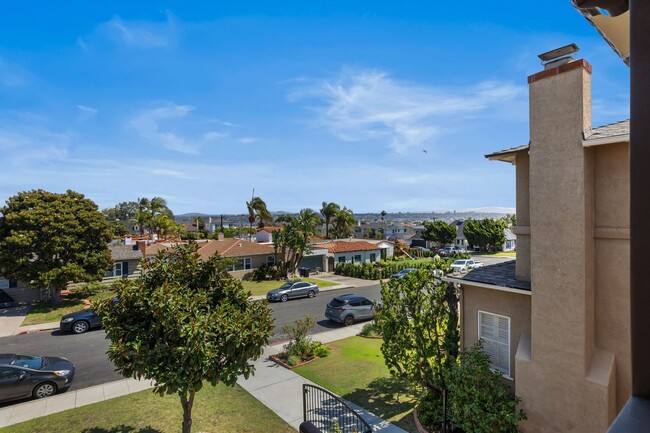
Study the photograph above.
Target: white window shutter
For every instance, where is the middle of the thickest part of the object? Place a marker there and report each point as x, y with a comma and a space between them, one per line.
494, 331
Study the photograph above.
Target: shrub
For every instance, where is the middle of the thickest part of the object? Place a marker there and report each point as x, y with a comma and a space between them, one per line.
478, 400
370, 329
430, 411
266, 272
88, 289
301, 348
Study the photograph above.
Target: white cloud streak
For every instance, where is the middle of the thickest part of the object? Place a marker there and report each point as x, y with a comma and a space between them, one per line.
370, 105
150, 124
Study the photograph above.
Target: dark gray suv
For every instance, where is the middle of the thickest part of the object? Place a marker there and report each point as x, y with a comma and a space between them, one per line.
350, 308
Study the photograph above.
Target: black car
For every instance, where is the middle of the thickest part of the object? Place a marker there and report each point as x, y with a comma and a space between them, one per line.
23, 376
80, 321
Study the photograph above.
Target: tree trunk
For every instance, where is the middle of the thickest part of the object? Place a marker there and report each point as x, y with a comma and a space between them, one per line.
187, 411
55, 294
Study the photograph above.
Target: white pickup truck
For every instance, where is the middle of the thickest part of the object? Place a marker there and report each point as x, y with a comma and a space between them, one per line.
465, 265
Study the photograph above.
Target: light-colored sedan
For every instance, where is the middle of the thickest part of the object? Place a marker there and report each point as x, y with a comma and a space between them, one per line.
292, 289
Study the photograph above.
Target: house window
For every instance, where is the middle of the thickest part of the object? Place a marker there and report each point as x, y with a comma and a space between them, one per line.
270, 260
342, 259
357, 259
494, 330
242, 264
373, 257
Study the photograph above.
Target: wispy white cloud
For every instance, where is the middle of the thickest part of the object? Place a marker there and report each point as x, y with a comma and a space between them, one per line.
152, 124
134, 34
247, 140
85, 112
359, 105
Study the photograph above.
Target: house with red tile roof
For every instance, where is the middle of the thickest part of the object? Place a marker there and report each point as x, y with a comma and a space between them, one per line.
265, 234
349, 251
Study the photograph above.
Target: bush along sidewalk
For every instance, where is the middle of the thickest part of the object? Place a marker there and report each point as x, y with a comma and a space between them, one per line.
384, 269
301, 349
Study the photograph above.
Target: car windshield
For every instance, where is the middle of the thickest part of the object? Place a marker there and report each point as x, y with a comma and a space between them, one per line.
337, 303
28, 361
286, 286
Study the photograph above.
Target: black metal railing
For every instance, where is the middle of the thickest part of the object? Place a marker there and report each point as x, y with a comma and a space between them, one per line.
325, 411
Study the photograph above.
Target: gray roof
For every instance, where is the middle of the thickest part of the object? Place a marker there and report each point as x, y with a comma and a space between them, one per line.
501, 274
500, 153
621, 128
607, 131
125, 252
510, 236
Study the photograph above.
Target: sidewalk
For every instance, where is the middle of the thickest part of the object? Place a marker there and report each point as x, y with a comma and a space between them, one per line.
274, 386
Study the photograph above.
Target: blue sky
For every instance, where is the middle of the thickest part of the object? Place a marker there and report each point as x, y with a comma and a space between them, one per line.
200, 102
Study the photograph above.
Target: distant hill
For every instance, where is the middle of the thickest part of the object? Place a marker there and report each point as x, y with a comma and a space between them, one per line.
191, 215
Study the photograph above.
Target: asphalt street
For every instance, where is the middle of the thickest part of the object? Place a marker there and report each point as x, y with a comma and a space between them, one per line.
88, 351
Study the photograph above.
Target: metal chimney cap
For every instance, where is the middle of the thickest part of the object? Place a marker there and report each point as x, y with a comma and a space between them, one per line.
559, 52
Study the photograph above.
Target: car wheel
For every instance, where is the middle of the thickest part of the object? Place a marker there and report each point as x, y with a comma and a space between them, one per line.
80, 327
284, 298
349, 320
311, 294
43, 390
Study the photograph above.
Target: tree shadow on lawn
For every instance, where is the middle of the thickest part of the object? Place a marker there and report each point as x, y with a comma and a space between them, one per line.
122, 429
387, 397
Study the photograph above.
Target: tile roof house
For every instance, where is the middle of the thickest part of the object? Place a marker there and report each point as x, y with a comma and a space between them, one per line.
556, 321
350, 251
265, 234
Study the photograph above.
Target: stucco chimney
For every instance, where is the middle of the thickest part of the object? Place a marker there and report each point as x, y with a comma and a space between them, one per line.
220, 236
552, 377
142, 246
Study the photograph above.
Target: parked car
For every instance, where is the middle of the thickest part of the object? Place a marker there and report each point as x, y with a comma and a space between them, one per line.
292, 289
465, 265
403, 273
23, 376
448, 251
80, 321
350, 308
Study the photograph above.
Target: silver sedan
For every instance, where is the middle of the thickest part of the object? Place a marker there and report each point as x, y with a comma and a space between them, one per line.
292, 289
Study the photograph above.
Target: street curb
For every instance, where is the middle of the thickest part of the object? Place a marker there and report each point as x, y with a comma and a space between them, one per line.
31, 331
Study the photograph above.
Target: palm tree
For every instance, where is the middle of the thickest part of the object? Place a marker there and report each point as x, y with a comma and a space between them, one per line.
329, 210
257, 211
383, 214
307, 221
343, 223
142, 214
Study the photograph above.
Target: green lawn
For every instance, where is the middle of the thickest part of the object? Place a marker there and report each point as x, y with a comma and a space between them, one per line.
355, 370
216, 409
505, 254
45, 312
261, 287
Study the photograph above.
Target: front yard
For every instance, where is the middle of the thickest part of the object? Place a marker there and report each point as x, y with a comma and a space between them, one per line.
355, 370
216, 409
261, 287
45, 312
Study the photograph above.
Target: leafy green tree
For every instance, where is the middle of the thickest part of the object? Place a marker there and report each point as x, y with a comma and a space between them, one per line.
118, 228
478, 400
419, 322
487, 233
343, 223
329, 211
49, 240
383, 214
439, 231
185, 322
231, 232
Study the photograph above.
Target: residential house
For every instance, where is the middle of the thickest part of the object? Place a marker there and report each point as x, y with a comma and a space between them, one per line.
265, 234
511, 240
349, 251
126, 261
246, 256
556, 321
21, 292
386, 230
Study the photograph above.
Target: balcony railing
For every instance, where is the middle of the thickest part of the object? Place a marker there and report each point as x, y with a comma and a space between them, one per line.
323, 411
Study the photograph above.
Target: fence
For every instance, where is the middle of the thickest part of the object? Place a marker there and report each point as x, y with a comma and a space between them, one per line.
325, 410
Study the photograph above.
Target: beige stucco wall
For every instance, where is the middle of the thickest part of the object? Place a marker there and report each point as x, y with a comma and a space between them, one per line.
256, 262
513, 305
567, 378
612, 263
